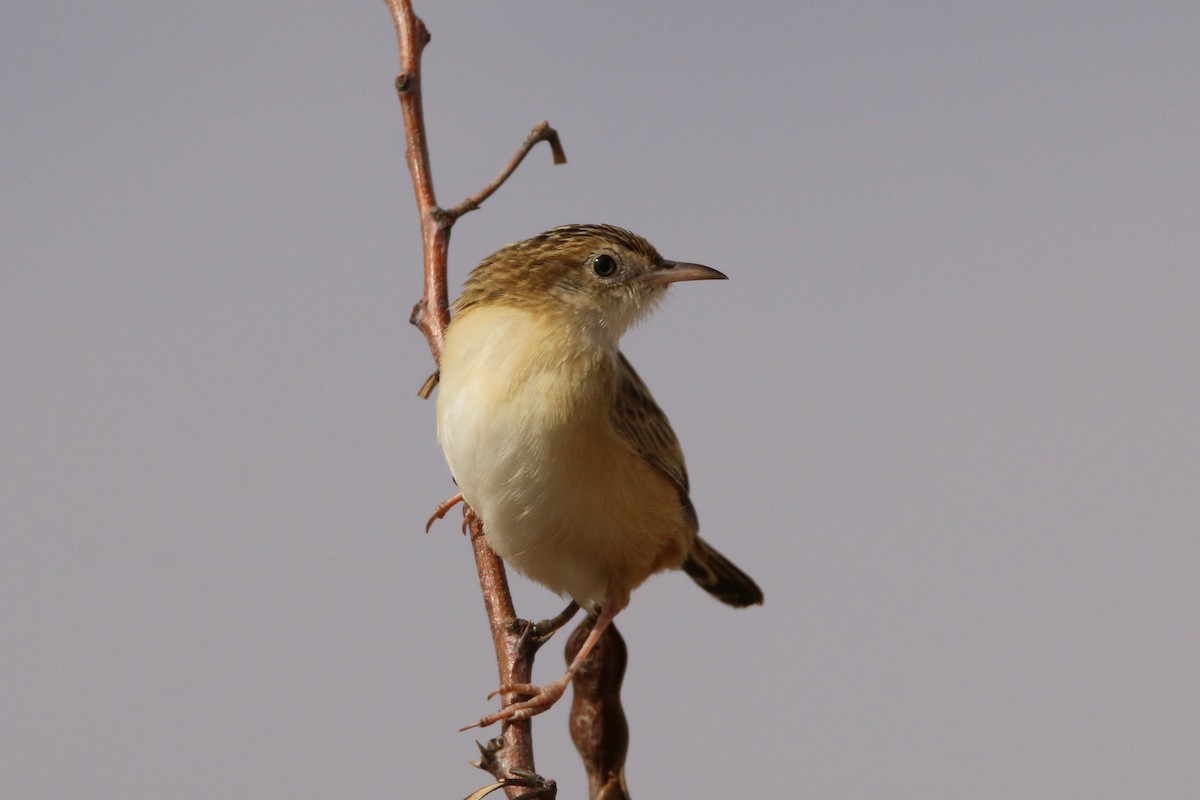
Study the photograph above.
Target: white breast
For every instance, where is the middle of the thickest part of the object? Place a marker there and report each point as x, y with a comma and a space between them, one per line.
563, 497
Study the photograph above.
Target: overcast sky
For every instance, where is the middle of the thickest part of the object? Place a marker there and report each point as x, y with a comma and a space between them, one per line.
945, 410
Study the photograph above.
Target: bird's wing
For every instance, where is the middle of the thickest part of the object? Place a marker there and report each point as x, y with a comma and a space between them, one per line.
644, 425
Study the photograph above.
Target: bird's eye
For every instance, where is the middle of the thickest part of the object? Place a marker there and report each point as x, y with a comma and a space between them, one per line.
604, 265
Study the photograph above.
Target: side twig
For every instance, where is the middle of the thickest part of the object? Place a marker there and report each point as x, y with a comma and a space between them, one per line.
542, 132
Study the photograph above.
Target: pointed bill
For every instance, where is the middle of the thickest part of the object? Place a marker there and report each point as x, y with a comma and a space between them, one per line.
675, 271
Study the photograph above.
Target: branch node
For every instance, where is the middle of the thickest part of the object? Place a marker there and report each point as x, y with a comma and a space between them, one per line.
487, 755
442, 218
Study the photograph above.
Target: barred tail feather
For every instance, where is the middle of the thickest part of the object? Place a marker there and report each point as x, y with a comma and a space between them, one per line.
718, 576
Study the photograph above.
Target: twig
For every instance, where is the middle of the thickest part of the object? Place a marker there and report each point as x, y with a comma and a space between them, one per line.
542, 132
540, 788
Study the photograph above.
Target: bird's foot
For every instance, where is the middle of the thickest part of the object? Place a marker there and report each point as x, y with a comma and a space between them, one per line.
541, 698
443, 509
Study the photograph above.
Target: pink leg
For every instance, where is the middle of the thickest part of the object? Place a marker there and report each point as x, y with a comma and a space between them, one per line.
546, 696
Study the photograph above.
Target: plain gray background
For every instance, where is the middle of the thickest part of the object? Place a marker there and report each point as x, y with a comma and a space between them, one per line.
945, 410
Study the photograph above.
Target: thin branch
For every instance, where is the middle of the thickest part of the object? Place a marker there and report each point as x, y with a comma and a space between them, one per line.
510, 756
432, 314
512, 750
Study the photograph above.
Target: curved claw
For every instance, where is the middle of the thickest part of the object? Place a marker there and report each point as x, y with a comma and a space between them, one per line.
443, 509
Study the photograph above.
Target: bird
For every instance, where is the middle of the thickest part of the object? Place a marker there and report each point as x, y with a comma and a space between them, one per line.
556, 443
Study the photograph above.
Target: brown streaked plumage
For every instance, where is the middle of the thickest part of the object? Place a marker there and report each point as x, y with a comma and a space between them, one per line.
553, 438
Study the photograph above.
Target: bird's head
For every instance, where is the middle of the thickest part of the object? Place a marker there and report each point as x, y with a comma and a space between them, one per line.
598, 276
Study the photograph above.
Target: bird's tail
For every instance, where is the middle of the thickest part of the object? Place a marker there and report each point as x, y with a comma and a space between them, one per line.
718, 576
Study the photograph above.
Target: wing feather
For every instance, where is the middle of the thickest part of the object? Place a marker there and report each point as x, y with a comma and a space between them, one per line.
644, 425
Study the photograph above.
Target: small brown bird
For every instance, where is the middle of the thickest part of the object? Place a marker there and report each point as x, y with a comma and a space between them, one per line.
555, 441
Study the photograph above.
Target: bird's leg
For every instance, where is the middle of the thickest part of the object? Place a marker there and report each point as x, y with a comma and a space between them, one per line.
443, 509
545, 696
538, 633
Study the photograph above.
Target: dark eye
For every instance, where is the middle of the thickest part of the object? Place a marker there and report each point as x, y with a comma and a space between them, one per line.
604, 265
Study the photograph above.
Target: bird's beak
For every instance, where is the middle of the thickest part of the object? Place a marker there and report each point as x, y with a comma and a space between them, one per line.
674, 271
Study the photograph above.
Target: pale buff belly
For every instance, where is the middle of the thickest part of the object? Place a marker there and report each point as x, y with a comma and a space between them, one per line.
564, 499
